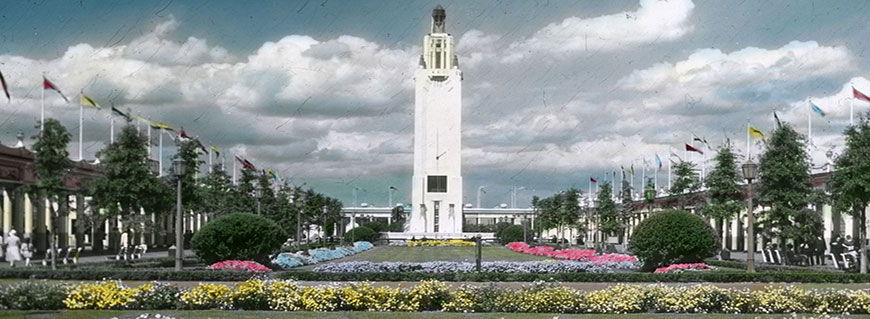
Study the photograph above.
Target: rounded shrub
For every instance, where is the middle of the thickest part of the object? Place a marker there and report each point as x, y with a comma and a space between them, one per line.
361, 233
511, 234
672, 237
238, 236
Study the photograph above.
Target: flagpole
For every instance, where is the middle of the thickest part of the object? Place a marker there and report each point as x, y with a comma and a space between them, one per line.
81, 129
160, 153
851, 108
42, 109
810, 128
149, 140
234, 168
112, 129
656, 180
209, 161
669, 174
748, 150
590, 192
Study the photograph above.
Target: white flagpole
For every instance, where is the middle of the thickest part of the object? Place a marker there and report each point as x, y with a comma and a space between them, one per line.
42, 110
748, 149
669, 175
111, 128
234, 169
209, 161
160, 153
851, 108
224, 163
149, 140
810, 127
643, 179
590, 192
81, 129
656, 179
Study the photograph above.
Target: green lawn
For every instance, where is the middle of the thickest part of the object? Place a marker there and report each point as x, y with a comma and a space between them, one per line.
82, 314
423, 254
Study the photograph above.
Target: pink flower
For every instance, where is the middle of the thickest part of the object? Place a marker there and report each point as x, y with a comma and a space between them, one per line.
240, 265
682, 267
570, 253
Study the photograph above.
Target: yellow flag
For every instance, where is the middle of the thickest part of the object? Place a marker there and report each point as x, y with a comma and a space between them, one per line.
89, 101
756, 132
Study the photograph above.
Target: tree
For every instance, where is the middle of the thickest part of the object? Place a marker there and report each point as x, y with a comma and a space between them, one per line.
849, 183
725, 195
649, 194
188, 151
127, 184
398, 219
685, 188
784, 176
626, 210
242, 199
570, 210
608, 216
51, 164
215, 192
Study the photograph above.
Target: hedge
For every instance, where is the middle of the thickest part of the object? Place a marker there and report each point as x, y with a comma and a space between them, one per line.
212, 275
539, 297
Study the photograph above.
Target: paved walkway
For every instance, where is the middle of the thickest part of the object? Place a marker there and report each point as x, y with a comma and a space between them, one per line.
103, 258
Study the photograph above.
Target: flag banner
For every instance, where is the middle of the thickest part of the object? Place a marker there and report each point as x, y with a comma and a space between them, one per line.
217, 153
118, 112
593, 180
246, 164
756, 132
89, 101
658, 160
675, 155
183, 134
817, 109
631, 169
691, 148
5, 87
47, 85
778, 122
858, 95
201, 147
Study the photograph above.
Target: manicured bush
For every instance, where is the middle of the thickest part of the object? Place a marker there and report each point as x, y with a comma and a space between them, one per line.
32, 295
314, 256
672, 237
511, 234
361, 233
238, 236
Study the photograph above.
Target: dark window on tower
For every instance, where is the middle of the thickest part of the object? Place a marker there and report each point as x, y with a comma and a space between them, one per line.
437, 184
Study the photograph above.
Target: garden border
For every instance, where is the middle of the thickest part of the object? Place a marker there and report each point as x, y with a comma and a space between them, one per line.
626, 277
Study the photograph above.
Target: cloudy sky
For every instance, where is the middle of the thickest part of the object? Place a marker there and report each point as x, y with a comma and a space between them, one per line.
554, 91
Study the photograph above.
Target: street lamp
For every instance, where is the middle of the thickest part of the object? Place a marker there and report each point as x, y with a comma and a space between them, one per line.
480, 189
178, 170
323, 224
750, 171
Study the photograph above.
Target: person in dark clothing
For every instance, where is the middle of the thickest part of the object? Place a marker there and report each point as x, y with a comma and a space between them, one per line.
820, 247
792, 257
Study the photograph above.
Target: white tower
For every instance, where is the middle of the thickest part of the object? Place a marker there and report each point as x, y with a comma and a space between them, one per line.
437, 181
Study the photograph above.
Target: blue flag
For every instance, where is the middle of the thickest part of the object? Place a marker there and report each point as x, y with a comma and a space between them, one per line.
817, 109
658, 160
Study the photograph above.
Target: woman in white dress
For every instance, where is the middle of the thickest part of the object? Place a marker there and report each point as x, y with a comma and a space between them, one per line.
13, 251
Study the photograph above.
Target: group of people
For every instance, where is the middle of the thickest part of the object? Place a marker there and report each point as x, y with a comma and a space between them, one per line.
844, 250
15, 250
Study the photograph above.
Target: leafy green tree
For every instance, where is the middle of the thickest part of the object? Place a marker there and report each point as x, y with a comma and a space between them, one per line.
215, 192
626, 210
190, 193
784, 176
850, 183
398, 219
649, 194
605, 209
51, 164
686, 185
127, 184
570, 211
243, 198
725, 195
265, 194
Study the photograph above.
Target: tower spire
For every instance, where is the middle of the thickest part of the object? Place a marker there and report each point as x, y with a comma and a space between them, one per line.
438, 16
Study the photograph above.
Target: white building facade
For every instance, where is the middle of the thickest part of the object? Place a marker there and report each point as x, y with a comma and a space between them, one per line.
437, 181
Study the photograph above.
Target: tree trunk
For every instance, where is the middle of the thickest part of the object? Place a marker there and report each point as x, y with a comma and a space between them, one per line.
862, 234
53, 236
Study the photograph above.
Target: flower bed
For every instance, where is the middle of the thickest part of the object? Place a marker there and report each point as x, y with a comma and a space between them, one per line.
279, 295
440, 243
486, 266
569, 253
682, 267
240, 265
314, 256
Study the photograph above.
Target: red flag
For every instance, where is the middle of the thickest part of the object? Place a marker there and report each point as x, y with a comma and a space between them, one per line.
183, 134
859, 95
250, 166
5, 88
593, 180
691, 148
47, 85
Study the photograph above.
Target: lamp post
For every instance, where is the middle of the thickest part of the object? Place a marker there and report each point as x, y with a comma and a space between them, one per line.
480, 189
750, 171
324, 209
178, 169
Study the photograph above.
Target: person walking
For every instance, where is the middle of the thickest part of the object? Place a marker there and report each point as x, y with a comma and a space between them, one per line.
26, 250
13, 249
